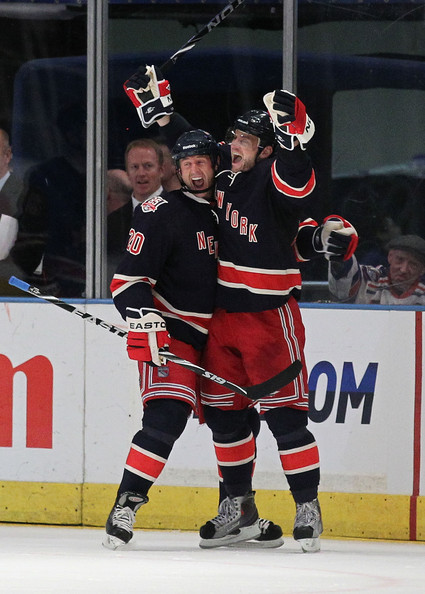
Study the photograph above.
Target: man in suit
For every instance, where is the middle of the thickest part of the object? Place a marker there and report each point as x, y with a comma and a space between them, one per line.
11, 189
118, 189
144, 163
51, 245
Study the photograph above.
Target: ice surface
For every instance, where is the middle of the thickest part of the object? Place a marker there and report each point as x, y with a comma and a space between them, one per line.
46, 559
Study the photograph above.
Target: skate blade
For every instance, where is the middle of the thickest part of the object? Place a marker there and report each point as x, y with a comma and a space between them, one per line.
246, 533
259, 544
113, 543
310, 545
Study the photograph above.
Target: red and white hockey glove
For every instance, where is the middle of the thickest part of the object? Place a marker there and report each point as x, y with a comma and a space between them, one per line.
147, 333
150, 94
289, 117
336, 238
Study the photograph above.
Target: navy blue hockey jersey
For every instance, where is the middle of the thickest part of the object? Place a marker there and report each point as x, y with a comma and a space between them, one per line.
170, 264
259, 216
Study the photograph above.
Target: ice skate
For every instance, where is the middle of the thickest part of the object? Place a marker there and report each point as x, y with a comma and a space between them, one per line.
271, 534
308, 526
119, 525
237, 521
270, 537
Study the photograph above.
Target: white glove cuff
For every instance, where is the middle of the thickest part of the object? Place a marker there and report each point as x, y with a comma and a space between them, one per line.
308, 133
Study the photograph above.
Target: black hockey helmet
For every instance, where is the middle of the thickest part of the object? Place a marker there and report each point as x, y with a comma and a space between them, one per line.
195, 142
256, 122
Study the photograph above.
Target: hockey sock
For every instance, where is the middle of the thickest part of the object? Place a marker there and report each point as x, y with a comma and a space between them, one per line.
234, 445
163, 423
299, 457
235, 459
253, 419
298, 452
222, 493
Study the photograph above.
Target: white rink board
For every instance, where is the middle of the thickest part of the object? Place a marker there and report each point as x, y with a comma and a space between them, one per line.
113, 406
96, 406
27, 331
375, 457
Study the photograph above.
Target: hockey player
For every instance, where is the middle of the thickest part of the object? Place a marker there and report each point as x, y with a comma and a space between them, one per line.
264, 181
164, 288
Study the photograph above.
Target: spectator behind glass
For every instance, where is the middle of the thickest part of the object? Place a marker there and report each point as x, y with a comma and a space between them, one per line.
170, 181
11, 190
51, 246
402, 282
118, 189
144, 161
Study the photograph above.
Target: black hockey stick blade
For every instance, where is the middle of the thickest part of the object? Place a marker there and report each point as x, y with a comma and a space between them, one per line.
253, 392
214, 22
285, 377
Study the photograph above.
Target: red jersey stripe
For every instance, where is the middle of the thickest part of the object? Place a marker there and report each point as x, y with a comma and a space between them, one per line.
308, 223
288, 190
256, 280
120, 283
200, 321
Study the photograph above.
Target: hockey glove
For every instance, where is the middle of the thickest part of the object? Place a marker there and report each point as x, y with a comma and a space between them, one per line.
289, 117
336, 238
147, 333
150, 94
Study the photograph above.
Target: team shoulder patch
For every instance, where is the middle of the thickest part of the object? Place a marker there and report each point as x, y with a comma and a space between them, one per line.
152, 204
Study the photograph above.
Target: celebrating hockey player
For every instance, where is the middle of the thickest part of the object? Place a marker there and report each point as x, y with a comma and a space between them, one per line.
264, 181
165, 289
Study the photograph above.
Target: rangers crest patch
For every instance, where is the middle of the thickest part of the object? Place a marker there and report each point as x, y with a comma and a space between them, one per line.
163, 371
152, 204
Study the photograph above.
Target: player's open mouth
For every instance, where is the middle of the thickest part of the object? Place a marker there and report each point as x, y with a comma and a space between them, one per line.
197, 183
236, 158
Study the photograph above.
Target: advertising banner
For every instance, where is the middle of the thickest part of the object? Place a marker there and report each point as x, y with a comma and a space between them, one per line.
69, 402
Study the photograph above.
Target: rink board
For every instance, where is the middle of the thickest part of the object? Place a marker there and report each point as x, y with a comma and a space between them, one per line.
69, 406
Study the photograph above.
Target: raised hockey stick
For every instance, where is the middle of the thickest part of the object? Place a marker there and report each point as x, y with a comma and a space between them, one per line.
214, 22
253, 392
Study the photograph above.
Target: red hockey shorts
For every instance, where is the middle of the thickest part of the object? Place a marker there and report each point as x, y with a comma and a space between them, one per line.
171, 380
249, 348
